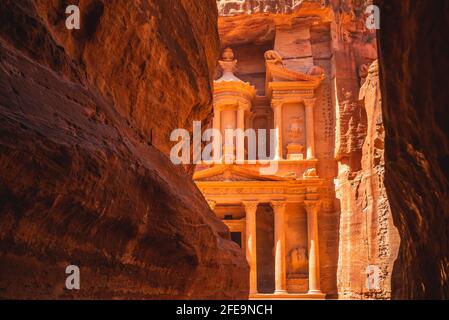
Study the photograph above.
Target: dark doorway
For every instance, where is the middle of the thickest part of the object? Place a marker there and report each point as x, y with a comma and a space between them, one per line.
237, 238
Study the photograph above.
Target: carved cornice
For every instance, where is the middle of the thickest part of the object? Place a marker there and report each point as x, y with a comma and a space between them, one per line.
237, 88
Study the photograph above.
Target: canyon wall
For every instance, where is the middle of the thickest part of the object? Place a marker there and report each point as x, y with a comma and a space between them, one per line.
368, 238
85, 117
356, 229
414, 72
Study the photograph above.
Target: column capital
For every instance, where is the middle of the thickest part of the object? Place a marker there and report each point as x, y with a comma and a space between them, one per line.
245, 106
212, 204
309, 102
278, 205
250, 205
277, 103
312, 205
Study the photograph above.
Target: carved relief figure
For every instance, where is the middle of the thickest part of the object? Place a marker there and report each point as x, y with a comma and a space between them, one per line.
295, 130
298, 260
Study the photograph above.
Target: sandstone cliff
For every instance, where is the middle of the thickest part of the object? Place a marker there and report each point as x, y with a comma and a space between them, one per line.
356, 227
414, 74
85, 118
368, 237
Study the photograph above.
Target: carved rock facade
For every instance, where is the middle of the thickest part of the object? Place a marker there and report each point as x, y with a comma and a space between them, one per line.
358, 240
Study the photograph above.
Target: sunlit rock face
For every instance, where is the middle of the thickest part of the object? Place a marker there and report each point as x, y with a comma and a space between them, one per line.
414, 87
357, 232
236, 7
82, 180
368, 239
367, 232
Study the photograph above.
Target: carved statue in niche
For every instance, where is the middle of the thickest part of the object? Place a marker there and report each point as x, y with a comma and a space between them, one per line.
295, 129
298, 261
295, 132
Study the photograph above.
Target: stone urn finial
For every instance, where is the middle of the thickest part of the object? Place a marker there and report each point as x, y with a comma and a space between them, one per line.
228, 64
228, 55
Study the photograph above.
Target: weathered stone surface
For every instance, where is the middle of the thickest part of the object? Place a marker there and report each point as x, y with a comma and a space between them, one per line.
79, 182
237, 7
367, 233
414, 74
367, 236
356, 229
131, 52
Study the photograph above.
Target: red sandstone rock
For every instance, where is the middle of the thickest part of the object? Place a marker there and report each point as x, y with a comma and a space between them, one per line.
414, 73
79, 182
356, 229
367, 233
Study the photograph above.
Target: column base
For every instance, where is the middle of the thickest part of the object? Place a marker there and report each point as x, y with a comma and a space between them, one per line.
288, 296
280, 292
253, 293
314, 292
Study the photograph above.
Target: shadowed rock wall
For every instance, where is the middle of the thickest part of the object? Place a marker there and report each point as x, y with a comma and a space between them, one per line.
82, 180
414, 73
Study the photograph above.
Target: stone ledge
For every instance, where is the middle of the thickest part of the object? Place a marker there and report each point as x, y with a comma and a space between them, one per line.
288, 296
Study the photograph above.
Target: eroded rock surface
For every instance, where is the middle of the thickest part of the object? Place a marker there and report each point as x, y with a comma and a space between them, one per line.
414, 74
368, 236
356, 229
80, 181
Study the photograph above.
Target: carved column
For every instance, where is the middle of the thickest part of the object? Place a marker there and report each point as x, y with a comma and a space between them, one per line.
240, 139
310, 134
312, 208
277, 117
251, 256
279, 247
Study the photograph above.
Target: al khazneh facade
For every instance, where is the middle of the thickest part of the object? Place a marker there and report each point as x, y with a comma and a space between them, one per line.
288, 199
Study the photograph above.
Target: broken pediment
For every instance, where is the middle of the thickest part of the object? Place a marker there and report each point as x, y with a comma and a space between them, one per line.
280, 78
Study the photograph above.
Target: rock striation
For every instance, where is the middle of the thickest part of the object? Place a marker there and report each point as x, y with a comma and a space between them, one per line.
414, 74
85, 117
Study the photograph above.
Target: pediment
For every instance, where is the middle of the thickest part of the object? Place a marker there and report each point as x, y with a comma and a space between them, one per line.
232, 173
280, 73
